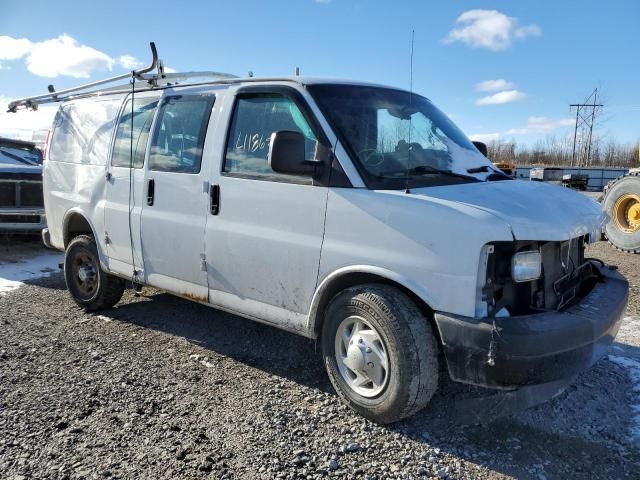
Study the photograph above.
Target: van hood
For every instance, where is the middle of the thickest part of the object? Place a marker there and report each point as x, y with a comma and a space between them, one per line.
533, 210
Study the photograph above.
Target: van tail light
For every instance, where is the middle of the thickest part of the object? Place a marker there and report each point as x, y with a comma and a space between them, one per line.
45, 153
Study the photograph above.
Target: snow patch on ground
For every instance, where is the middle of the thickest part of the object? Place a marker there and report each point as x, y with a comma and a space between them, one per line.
629, 332
633, 369
14, 274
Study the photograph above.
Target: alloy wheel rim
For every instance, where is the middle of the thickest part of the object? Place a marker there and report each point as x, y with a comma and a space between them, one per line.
361, 357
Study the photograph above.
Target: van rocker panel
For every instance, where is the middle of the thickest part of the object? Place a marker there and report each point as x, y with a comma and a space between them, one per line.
538, 348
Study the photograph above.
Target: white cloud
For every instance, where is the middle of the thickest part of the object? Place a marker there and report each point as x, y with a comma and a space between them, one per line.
129, 62
508, 96
528, 31
494, 85
169, 70
13, 48
4, 67
485, 137
489, 29
62, 55
65, 56
537, 125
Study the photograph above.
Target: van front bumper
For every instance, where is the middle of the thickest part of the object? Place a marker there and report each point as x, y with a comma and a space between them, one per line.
535, 349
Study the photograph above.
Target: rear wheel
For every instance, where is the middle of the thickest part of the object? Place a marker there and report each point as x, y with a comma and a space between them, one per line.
380, 352
622, 203
90, 286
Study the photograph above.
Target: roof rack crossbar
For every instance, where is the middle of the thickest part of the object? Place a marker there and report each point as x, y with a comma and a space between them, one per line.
53, 96
155, 78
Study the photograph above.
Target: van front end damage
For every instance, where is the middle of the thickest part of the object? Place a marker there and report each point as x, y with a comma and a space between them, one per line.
511, 352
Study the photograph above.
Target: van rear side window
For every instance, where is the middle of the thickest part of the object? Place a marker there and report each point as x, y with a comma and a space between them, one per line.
82, 131
179, 133
128, 142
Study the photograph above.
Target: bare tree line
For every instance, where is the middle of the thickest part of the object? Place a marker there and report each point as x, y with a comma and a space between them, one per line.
556, 151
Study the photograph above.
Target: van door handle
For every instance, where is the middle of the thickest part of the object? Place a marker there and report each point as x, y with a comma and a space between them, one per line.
151, 190
214, 199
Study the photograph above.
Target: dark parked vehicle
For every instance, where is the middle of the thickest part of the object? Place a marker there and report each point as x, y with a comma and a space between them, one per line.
21, 204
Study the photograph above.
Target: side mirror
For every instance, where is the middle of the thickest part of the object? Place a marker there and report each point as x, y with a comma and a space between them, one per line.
482, 147
287, 154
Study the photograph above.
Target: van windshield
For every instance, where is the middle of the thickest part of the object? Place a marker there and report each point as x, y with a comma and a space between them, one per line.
399, 139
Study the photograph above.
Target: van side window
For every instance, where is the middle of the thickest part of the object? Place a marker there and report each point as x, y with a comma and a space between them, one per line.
255, 118
179, 133
143, 110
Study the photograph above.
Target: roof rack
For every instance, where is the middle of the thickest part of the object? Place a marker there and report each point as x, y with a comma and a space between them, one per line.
151, 80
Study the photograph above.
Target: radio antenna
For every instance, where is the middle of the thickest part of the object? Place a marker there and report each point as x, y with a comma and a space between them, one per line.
406, 178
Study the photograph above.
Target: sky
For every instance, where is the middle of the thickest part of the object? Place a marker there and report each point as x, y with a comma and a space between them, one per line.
500, 69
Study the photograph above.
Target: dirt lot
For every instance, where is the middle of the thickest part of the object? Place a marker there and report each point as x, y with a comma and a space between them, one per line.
159, 387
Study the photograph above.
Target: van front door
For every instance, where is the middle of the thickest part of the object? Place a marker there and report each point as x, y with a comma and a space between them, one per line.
176, 197
125, 184
264, 232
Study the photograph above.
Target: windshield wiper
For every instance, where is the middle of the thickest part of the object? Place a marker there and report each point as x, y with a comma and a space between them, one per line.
480, 169
493, 176
18, 158
425, 170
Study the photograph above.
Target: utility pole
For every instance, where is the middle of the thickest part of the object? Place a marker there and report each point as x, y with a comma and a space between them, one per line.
583, 133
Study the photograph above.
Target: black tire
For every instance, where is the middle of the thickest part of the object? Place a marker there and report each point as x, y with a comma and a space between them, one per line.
104, 291
409, 342
629, 183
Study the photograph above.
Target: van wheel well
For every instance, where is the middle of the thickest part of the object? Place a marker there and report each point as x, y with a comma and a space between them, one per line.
357, 278
76, 225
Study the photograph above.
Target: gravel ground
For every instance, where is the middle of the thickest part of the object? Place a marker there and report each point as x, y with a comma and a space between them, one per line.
160, 387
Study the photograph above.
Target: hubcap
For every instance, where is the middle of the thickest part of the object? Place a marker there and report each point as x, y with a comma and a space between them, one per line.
627, 213
361, 357
85, 273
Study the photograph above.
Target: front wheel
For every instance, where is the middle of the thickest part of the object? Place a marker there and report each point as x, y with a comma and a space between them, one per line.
90, 286
380, 352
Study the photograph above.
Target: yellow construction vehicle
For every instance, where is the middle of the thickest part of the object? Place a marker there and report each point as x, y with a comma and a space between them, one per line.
621, 200
508, 168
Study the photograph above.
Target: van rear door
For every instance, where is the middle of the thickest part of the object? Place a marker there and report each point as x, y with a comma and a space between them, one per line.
176, 196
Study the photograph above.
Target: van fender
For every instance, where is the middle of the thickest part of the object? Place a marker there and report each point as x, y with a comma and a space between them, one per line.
348, 276
69, 214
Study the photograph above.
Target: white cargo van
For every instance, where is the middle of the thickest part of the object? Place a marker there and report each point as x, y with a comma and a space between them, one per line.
356, 214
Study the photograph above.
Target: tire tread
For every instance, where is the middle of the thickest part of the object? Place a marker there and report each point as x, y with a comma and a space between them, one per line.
111, 288
416, 336
608, 187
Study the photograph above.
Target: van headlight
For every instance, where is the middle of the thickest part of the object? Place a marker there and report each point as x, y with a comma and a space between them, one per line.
526, 266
